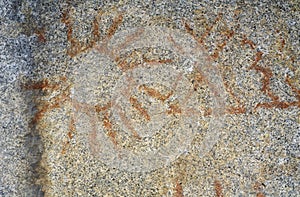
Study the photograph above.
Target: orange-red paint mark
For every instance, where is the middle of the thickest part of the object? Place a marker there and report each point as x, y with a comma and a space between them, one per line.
208, 29
249, 42
189, 30
113, 28
234, 110
69, 134
174, 109
64, 149
123, 65
106, 122
267, 74
266, 87
237, 12
282, 44
150, 61
205, 34
229, 34
138, 106
41, 35
258, 187
112, 135
108, 125
76, 46
71, 128
222, 45
154, 93
197, 79
99, 108
67, 21
178, 190
228, 89
53, 104
44, 84
207, 112
95, 30
259, 194
218, 50
278, 104
218, 189
258, 57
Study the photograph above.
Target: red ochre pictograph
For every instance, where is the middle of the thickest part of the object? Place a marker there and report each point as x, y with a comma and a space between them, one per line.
175, 108
100, 43
218, 188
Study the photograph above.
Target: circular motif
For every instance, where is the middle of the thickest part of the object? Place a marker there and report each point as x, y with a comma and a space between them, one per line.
142, 114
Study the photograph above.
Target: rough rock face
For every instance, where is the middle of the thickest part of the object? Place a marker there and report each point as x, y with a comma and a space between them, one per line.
151, 98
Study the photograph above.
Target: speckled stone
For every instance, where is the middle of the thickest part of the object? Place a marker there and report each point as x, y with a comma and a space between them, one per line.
60, 67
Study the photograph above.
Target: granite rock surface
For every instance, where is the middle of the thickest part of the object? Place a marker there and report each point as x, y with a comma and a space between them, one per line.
149, 98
